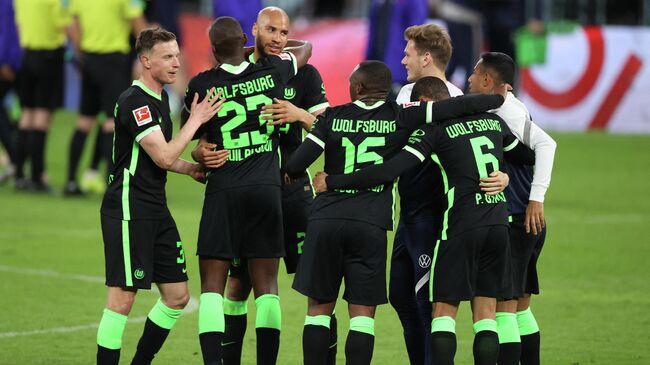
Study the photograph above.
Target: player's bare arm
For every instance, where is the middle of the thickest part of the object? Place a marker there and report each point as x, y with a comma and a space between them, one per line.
165, 154
301, 53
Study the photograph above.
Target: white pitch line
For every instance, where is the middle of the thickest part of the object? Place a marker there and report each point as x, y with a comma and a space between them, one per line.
192, 306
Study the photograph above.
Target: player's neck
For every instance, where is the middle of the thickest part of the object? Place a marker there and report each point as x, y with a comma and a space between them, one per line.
256, 54
371, 98
435, 72
233, 60
151, 83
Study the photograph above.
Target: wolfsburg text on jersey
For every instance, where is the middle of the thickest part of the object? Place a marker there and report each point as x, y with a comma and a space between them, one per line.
472, 126
254, 86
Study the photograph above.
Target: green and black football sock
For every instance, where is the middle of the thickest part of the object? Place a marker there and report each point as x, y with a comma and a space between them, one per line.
109, 337
443, 340
211, 327
316, 340
268, 322
360, 343
159, 322
509, 341
530, 337
235, 313
486, 342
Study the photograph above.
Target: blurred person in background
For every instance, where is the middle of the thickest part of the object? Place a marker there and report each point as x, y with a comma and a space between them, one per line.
477, 24
10, 57
41, 29
243, 10
387, 20
100, 34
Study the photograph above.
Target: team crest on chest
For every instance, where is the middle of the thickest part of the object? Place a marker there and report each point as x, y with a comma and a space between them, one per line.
142, 115
289, 93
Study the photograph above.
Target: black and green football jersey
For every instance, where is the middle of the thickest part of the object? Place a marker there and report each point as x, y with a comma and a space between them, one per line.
306, 91
466, 149
238, 126
136, 187
357, 135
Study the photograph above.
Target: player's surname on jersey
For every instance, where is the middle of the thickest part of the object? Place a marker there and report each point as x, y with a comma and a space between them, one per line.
482, 198
241, 154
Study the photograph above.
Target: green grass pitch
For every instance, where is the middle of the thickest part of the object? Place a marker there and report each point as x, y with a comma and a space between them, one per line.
594, 275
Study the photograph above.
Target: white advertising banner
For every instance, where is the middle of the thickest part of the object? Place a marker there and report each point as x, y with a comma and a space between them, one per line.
593, 78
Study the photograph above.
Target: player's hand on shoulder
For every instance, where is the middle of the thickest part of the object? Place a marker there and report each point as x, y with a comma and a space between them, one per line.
534, 220
320, 185
207, 108
495, 183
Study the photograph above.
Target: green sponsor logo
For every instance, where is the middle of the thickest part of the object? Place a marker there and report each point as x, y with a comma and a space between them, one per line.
289, 93
138, 274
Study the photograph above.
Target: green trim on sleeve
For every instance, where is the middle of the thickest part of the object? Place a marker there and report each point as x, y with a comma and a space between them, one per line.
415, 152
511, 145
146, 132
317, 140
318, 107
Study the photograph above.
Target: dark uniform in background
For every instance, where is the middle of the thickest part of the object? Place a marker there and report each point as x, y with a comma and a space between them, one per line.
41, 28
105, 70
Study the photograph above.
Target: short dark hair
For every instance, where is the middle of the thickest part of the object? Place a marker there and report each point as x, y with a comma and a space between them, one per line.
149, 37
226, 36
430, 87
375, 76
502, 66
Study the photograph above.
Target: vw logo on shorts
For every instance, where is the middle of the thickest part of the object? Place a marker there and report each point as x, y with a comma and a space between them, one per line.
138, 273
424, 261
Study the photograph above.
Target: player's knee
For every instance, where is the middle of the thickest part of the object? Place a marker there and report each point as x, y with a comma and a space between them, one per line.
178, 301
121, 305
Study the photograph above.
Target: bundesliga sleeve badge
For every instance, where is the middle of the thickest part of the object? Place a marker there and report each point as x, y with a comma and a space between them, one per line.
142, 115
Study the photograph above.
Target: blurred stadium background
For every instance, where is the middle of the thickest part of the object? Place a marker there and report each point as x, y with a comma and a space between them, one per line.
585, 78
